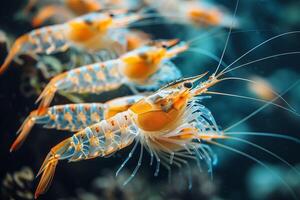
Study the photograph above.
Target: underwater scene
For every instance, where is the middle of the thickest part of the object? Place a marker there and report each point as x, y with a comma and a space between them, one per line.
150, 99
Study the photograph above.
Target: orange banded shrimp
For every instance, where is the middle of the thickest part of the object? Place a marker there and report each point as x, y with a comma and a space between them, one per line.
92, 32
117, 132
73, 117
171, 124
147, 68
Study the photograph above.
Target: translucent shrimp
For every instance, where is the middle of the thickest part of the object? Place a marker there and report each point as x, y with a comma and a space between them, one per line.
80, 7
119, 131
91, 32
147, 68
136, 39
73, 117
262, 89
171, 124
62, 11
198, 13
56, 13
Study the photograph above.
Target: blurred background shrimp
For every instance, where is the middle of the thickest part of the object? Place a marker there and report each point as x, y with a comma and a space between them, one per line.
147, 67
92, 32
59, 11
194, 12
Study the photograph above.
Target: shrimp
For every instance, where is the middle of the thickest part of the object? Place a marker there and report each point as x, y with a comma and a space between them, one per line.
194, 12
136, 39
117, 132
73, 117
171, 124
61, 14
80, 7
61, 11
72, 8
91, 32
146, 68
263, 89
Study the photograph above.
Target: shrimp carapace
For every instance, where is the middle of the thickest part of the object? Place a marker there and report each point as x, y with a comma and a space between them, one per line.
141, 63
160, 111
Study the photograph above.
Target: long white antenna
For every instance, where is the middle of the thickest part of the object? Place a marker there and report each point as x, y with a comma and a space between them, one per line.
228, 36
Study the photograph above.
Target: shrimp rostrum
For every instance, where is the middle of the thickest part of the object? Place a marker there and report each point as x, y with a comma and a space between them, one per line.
91, 32
167, 120
145, 68
73, 117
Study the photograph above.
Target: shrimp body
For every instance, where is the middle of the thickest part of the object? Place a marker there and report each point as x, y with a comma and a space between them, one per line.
73, 117
194, 12
91, 32
62, 11
81, 7
180, 119
98, 140
146, 68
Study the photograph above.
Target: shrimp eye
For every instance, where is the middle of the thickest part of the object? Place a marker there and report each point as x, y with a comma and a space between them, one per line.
188, 85
144, 56
164, 46
111, 14
88, 22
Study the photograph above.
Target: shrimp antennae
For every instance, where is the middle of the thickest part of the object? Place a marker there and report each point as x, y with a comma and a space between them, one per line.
257, 161
257, 46
252, 98
261, 108
208, 54
262, 59
290, 109
273, 135
270, 89
215, 33
251, 62
228, 37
